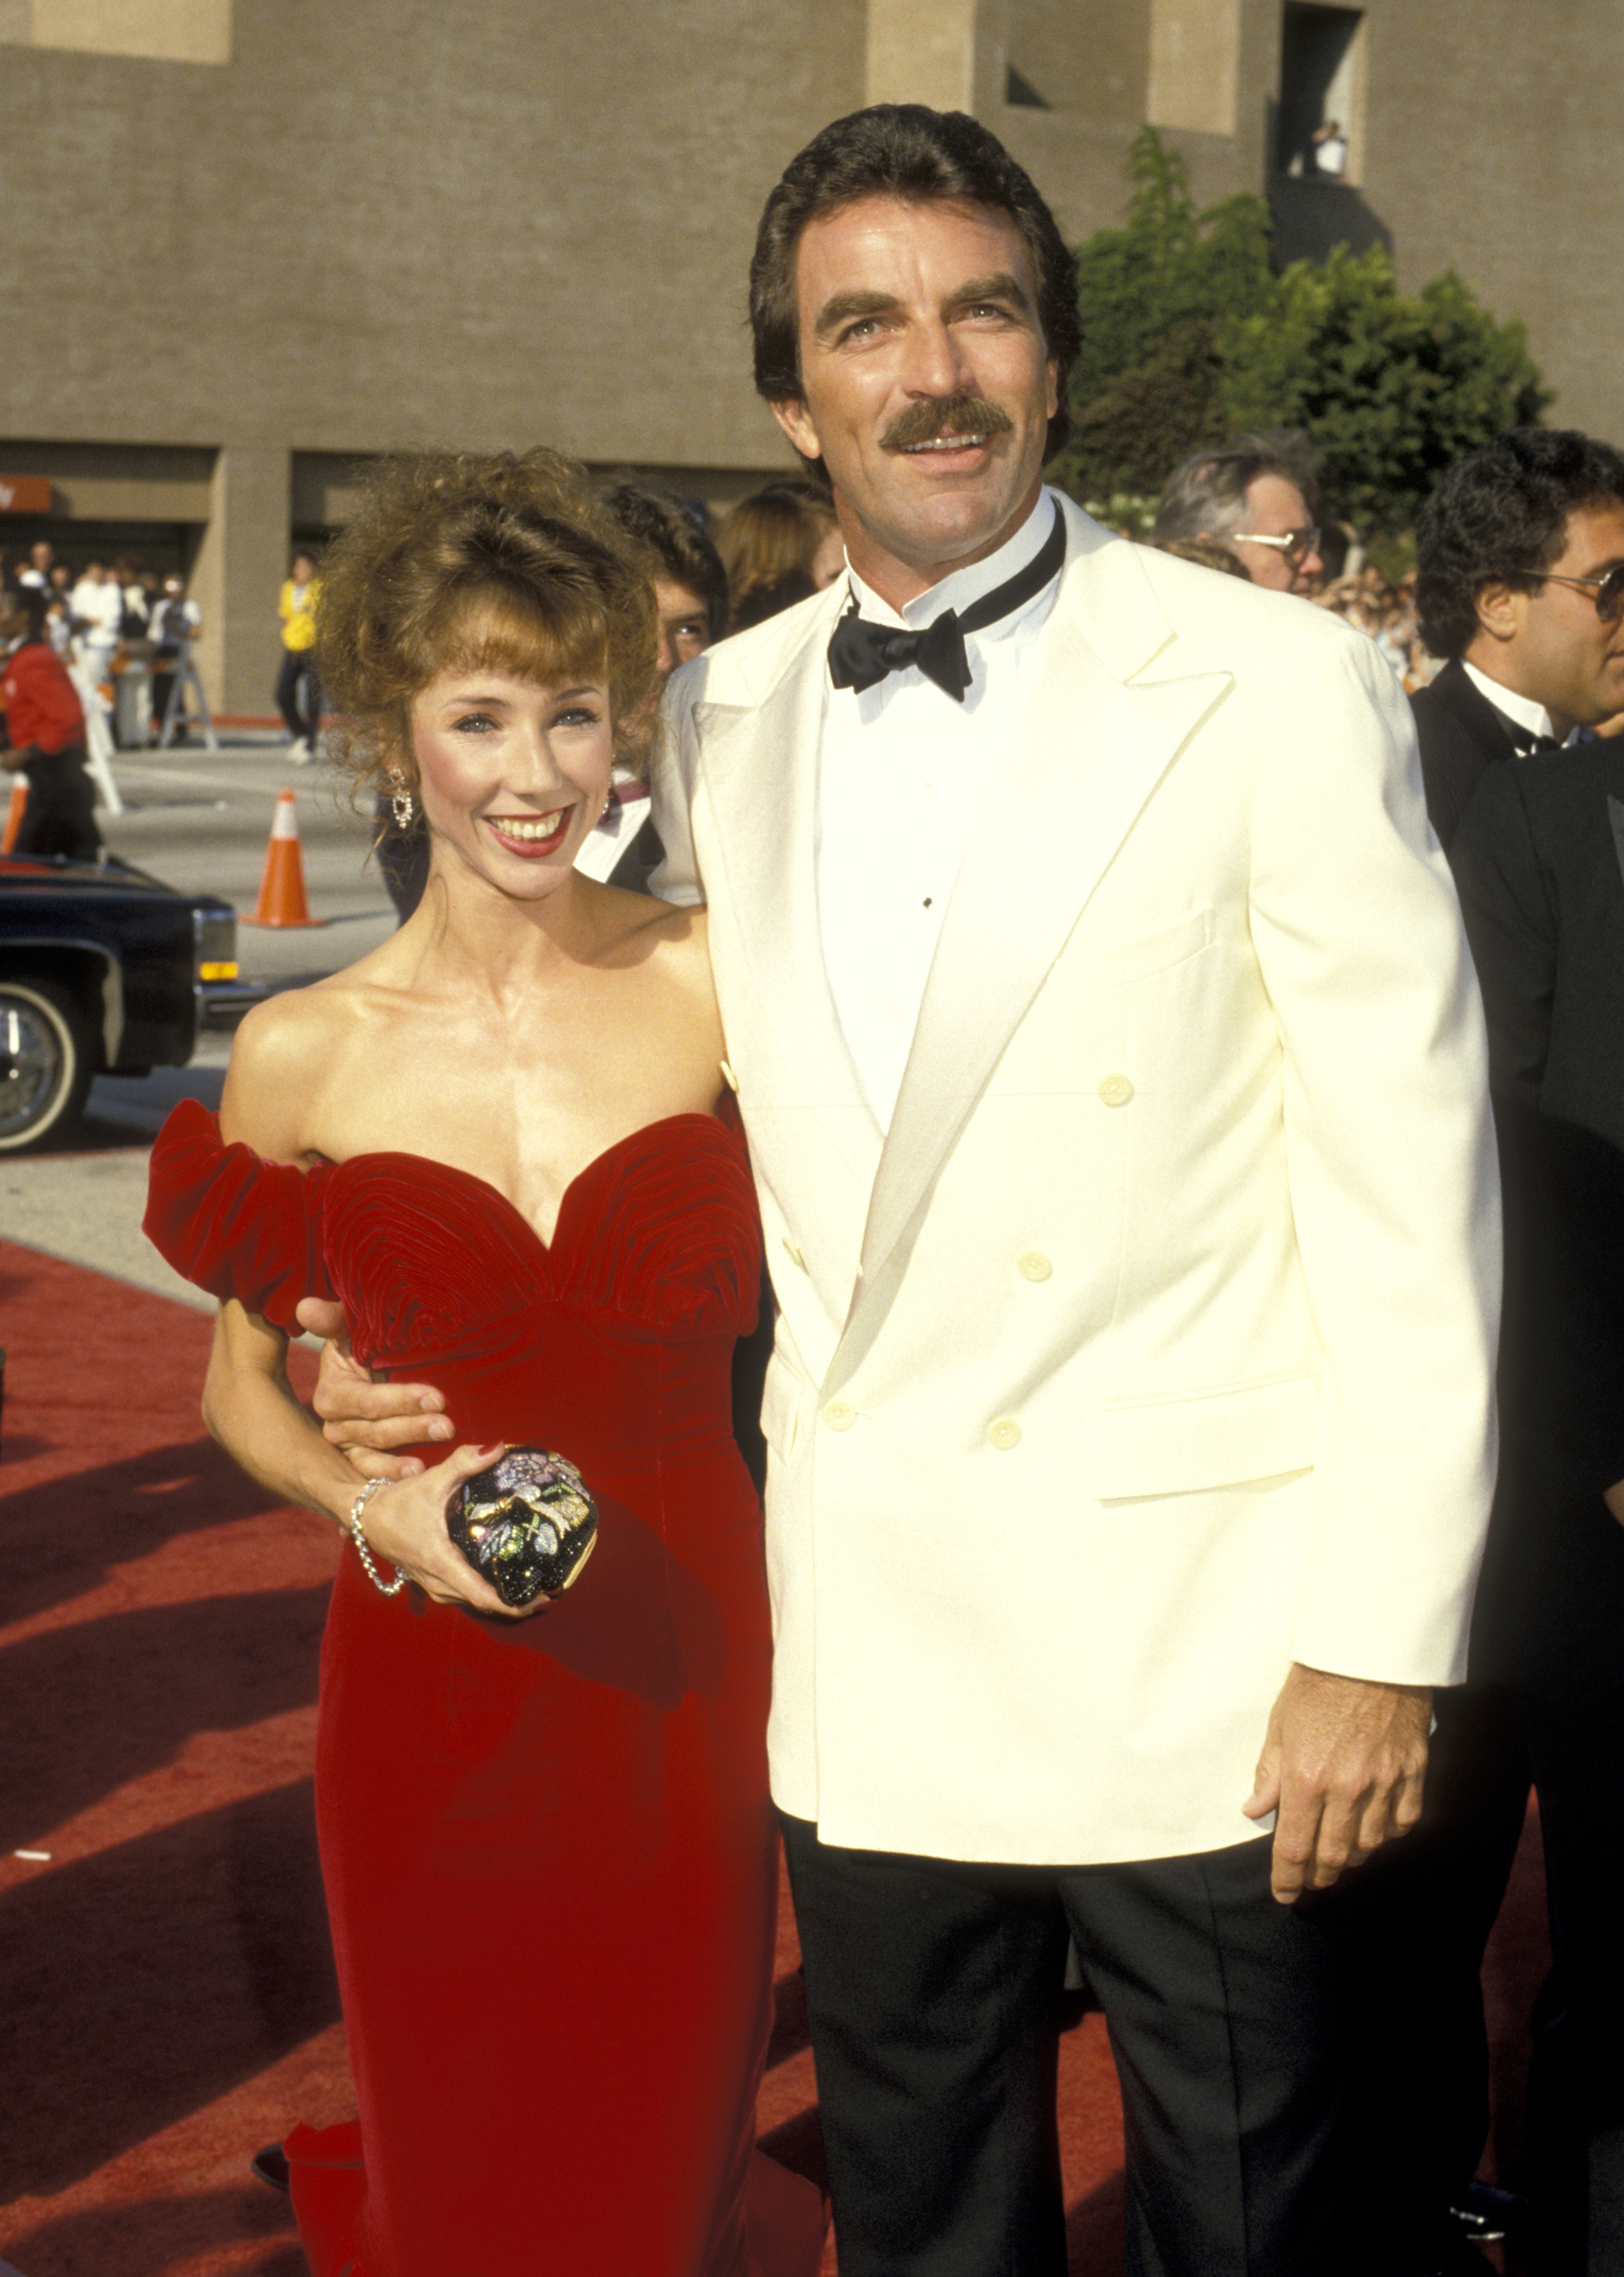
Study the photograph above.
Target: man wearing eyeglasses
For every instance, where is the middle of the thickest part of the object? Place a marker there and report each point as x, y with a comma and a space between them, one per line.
1254, 497
1521, 585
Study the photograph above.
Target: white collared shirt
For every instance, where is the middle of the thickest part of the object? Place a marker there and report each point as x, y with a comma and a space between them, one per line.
1521, 710
904, 772
615, 829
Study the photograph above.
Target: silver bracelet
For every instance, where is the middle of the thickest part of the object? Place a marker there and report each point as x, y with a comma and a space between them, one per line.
389, 1588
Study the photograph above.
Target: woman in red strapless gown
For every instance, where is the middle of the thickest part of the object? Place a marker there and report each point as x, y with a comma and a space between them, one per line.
549, 1856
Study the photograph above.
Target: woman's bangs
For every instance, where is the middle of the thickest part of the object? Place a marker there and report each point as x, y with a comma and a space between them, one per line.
553, 648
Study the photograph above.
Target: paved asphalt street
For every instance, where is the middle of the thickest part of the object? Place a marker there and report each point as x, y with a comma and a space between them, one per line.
200, 821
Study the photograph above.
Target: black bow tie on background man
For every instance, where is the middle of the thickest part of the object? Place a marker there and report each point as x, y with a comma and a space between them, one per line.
861, 652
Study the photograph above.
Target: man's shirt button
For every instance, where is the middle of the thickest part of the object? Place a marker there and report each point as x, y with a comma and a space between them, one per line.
1116, 1090
839, 1416
1004, 1432
1032, 1265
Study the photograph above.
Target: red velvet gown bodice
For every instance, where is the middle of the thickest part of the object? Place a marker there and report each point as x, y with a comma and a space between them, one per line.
652, 1272
589, 1784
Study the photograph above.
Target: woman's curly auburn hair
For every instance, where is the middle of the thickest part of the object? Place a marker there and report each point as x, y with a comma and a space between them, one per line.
453, 561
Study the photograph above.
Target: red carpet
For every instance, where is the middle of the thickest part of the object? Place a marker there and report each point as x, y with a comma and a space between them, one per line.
164, 1975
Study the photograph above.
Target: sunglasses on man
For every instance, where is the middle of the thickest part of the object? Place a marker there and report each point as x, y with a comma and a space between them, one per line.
1607, 591
1297, 545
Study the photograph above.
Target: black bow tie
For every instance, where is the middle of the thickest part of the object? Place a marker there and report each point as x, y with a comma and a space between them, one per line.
1525, 742
861, 652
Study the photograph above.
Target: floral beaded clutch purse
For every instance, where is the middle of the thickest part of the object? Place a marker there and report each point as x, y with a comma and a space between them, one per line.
527, 1524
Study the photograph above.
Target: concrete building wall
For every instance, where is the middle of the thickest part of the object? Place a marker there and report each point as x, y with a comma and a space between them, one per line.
1478, 131
255, 242
383, 226
1490, 133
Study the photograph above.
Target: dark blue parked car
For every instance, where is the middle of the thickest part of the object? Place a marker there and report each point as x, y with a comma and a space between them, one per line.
103, 970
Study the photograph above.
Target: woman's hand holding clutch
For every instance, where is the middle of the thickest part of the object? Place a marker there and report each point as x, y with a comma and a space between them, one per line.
404, 1522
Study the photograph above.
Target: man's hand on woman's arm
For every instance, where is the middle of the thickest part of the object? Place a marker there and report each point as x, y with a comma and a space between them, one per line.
250, 1406
365, 1419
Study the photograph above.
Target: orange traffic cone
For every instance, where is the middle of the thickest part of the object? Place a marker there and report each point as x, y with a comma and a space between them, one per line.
14, 812
281, 887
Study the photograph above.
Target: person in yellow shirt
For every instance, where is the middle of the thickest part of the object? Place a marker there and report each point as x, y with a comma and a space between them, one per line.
297, 610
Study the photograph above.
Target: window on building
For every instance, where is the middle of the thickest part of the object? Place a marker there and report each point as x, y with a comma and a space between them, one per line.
1085, 58
1322, 92
1019, 90
1194, 75
1048, 47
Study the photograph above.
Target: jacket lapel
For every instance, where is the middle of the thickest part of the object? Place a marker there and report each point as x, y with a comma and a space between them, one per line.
759, 776
1104, 746
1490, 730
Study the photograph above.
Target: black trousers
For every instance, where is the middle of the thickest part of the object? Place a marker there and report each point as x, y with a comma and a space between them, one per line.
1547, 1702
60, 815
933, 1990
1427, 1905
1553, 1635
298, 663
163, 687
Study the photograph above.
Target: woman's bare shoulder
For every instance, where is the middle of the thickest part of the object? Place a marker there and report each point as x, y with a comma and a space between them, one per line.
631, 926
283, 1050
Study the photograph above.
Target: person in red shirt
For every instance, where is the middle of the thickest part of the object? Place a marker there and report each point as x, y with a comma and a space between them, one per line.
45, 735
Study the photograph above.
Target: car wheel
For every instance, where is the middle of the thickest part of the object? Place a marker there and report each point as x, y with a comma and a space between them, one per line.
47, 1059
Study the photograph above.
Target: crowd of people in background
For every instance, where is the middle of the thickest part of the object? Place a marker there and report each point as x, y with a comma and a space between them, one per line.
104, 619
1250, 509
45, 745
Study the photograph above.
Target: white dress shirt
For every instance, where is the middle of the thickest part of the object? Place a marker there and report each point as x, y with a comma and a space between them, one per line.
1521, 710
904, 773
609, 836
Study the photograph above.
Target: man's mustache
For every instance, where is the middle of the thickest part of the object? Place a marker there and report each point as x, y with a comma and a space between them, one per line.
945, 415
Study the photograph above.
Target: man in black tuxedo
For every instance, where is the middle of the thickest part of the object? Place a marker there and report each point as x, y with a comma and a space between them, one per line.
690, 595
1517, 669
1522, 586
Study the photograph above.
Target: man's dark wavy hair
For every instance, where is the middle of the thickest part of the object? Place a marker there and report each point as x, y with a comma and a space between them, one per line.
1500, 513
902, 150
672, 535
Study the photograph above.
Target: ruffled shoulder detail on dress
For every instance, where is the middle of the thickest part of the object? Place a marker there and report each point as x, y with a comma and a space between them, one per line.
234, 1225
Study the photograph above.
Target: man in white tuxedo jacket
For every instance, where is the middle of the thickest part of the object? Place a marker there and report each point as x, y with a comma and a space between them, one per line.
1114, 1077
1112, 1070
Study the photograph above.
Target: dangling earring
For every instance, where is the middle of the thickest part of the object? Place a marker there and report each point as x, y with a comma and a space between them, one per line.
402, 804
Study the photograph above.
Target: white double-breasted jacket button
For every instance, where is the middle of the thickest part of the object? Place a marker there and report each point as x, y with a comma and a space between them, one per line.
1115, 1090
1032, 1265
1004, 1432
839, 1416
729, 1077
792, 1251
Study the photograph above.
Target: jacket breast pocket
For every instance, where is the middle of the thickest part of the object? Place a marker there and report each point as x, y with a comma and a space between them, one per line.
1214, 1439
1081, 972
